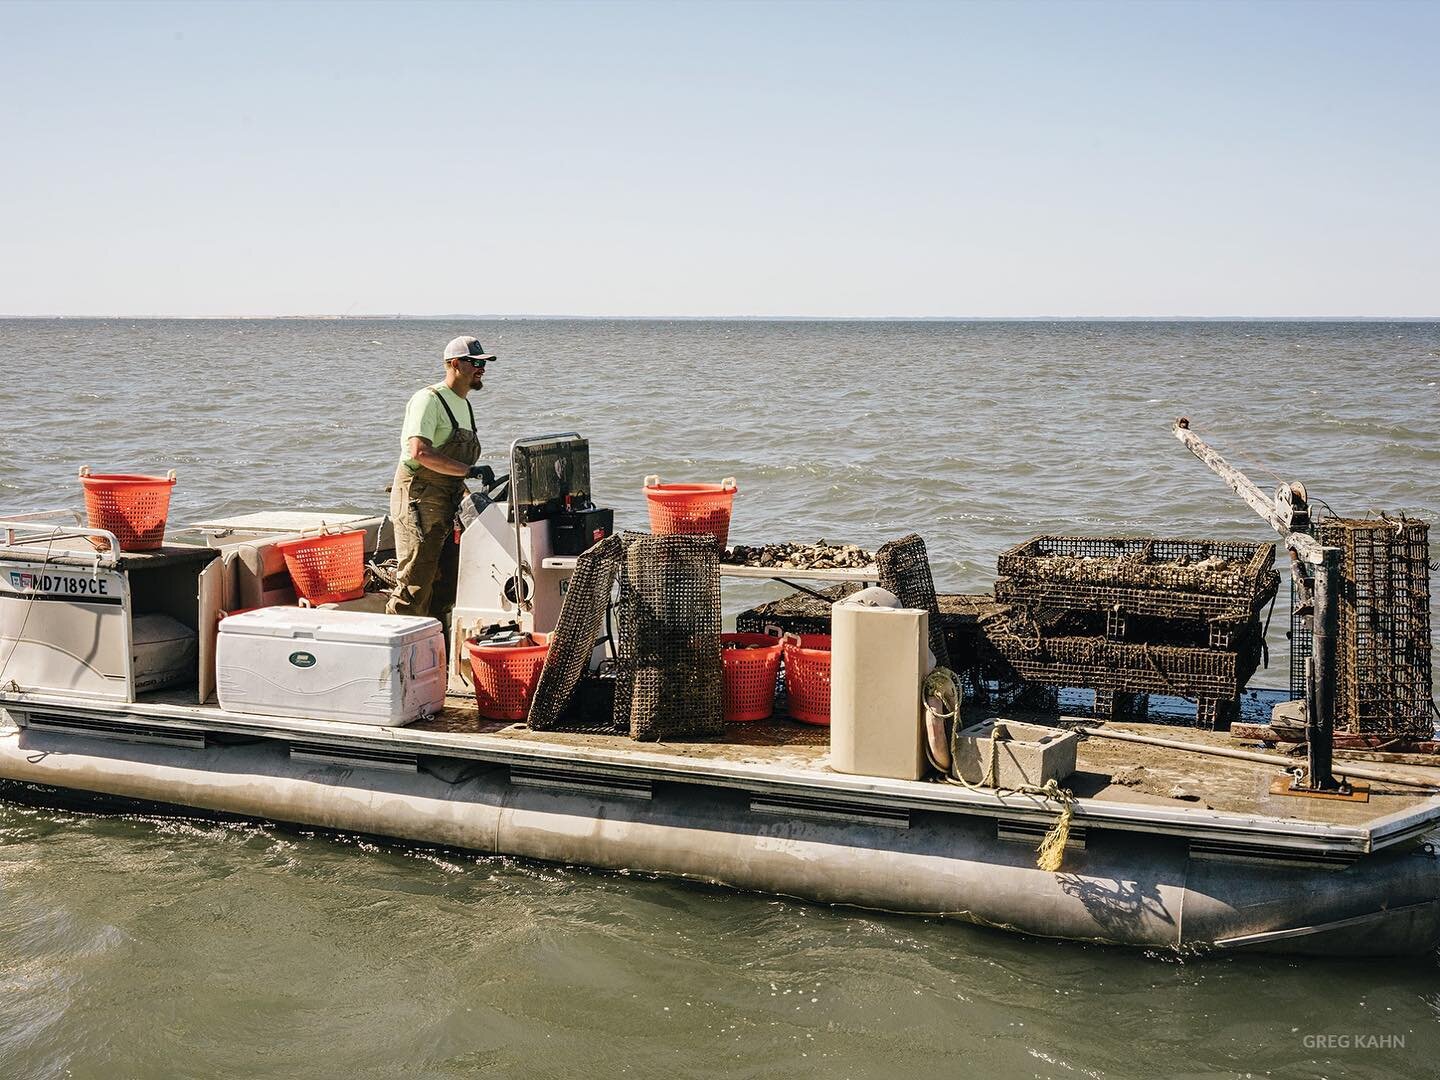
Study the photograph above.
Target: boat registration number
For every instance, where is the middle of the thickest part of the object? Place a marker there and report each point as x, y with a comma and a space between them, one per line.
81, 585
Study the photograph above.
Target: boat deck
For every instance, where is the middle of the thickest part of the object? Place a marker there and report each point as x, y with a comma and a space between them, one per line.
1107, 770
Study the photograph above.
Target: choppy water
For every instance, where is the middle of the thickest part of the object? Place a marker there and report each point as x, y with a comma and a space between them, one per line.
134, 947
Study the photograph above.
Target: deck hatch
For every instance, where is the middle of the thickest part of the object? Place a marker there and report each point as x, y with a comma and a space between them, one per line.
581, 783
1220, 851
354, 757
826, 810
126, 729
1032, 833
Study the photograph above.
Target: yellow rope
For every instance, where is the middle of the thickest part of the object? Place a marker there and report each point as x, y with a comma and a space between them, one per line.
1051, 853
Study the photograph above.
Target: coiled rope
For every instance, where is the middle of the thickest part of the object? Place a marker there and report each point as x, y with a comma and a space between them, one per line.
943, 688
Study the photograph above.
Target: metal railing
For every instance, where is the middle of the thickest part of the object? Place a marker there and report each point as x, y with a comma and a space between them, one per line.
22, 534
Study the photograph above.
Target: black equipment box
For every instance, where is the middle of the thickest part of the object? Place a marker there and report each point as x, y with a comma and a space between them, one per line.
574, 532
549, 474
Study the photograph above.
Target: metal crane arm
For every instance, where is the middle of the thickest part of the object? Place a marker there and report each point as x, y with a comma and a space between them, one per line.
1320, 699
1307, 547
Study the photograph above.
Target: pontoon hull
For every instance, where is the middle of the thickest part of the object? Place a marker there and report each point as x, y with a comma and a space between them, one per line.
1123, 888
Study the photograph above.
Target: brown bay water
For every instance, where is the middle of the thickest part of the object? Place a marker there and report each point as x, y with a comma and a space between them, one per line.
135, 946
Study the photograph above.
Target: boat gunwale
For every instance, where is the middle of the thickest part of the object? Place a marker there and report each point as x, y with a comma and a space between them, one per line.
1250, 830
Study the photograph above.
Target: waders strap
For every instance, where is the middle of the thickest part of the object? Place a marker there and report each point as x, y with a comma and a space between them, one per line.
454, 424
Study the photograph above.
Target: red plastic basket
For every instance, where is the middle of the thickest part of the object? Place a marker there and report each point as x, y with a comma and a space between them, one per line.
132, 507
690, 508
506, 676
750, 672
807, 677
326, 569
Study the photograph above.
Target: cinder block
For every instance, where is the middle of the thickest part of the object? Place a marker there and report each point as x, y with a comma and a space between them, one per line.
1026, 753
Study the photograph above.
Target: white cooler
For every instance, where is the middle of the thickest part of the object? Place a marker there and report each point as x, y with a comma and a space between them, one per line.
324, 664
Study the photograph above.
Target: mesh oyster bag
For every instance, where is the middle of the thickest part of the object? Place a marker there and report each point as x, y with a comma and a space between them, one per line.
670, 673
905, 571
580, 626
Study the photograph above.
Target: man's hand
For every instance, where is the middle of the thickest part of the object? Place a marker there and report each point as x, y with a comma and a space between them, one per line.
484, 473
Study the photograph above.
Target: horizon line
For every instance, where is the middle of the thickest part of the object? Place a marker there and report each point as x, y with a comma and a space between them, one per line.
405, 317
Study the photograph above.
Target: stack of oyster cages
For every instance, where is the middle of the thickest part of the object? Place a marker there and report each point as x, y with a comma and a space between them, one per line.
1130, 616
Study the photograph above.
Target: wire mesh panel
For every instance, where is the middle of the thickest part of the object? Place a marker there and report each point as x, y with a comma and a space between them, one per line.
962, 618
905, 571
1159, 600
1173, 577
580, 626
1383, 643
670, 671
799, 613
804, 613
960, 621
1302, 642
1130, 616
1120, 667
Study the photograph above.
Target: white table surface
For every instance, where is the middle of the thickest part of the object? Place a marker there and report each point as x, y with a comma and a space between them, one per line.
866, 573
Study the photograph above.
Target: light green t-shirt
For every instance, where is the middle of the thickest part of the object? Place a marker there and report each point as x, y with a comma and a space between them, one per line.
424, 417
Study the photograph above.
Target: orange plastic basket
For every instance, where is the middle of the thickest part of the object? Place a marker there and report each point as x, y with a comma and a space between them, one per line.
751, 663
326, 569
690, 508
506, 676
132, 507
807, 677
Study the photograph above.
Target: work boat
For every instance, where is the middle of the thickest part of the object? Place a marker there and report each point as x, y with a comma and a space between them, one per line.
189, 676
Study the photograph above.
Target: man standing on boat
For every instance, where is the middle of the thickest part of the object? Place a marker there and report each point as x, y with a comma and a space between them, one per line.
438, 450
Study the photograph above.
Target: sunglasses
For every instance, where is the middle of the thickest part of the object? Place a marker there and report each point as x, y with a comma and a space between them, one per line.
478, 364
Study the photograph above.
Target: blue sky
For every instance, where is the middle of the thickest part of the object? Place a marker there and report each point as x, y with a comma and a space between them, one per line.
828, 159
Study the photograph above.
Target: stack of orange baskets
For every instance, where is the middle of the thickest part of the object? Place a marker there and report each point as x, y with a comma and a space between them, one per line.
751, 663
691, 508
326, 569
132, 507
807, 677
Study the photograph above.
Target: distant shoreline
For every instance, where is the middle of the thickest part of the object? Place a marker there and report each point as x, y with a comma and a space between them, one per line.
742, 318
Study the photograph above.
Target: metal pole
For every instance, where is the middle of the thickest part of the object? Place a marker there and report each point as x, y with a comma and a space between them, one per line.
522, 603
1360, 772
1320, 702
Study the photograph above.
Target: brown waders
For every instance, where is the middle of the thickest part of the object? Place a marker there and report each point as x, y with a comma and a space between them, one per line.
423, 505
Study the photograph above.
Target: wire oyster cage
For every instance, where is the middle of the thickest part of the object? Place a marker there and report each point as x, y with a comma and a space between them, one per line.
799, 613
807, 613
1119, 671
1211, 580
1302, 640
1383, 653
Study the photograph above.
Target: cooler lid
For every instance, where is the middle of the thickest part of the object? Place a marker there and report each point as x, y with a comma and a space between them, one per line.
324, 624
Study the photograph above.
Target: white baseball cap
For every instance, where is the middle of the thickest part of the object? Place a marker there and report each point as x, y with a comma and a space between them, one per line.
467, 348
